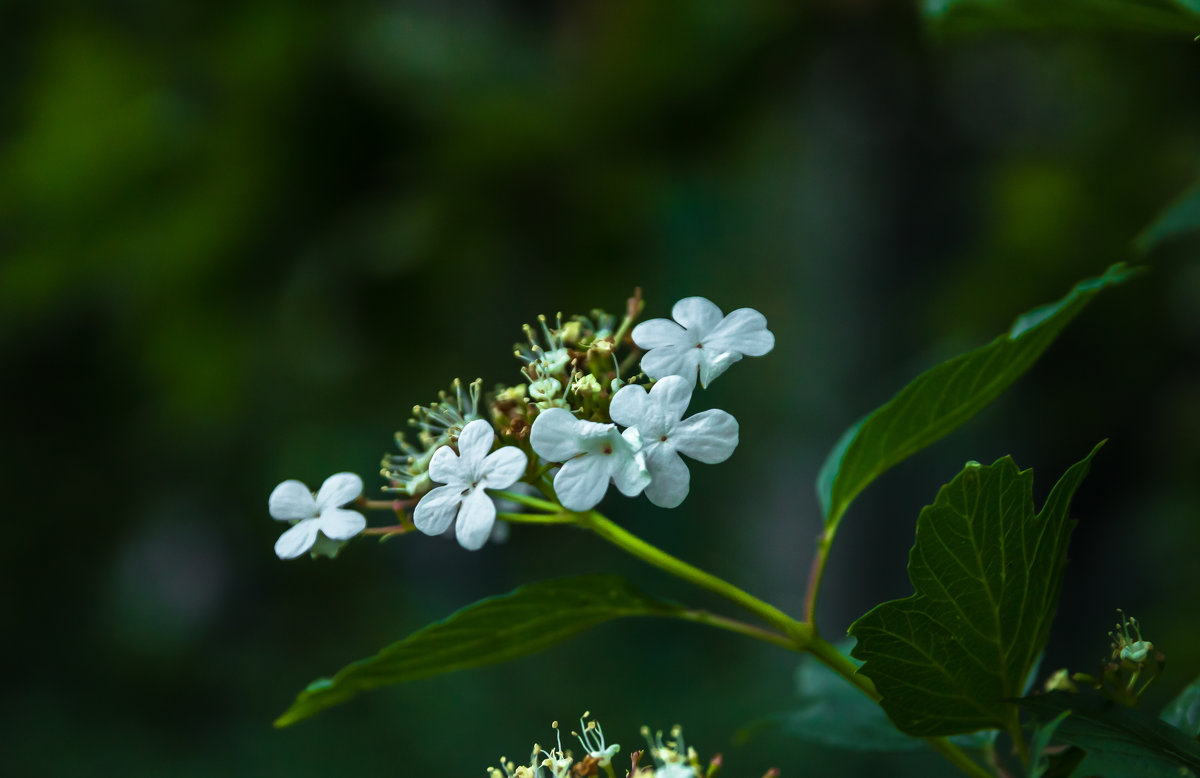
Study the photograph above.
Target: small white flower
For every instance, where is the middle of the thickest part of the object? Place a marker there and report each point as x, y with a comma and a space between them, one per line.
466, 476
709, 436
702, 338
317, 516
592, 454
592, 740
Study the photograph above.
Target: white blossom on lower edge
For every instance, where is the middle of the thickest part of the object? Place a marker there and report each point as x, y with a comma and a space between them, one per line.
709, 436
592, 455
466, 476
700, 337
316, 516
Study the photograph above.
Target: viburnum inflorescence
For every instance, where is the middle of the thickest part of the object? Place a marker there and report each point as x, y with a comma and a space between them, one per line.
577, 421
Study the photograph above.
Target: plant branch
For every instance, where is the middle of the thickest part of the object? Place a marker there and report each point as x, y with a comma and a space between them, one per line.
799, 632
740, 627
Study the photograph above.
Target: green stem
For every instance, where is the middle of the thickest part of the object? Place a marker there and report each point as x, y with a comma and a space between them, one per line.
537, 518
799, 632
740, 627
815, 573
527, 501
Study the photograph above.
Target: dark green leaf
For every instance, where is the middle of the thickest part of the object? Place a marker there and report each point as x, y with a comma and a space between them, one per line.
834, 713
497, 629
1119, 741
1183, 712
943, 397
1136, 15
987, 572
1180, 218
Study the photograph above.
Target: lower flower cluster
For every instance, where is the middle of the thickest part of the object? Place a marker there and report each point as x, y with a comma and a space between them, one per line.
669, 758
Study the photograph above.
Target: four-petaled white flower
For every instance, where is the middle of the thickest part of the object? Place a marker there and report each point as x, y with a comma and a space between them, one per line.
709, 436
466, 476
701, 338
316, 516
592, 454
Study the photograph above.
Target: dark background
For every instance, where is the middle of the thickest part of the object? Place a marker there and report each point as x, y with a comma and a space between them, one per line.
238, 241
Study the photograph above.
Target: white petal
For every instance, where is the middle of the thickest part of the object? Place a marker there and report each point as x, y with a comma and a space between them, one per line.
699, 314
475, 520
709, 436
671, 479
339, 489
745, 331
503, 467
628, 405
661, 332
291, 500
582, 482
474, 443
437, 508
672, 360
341, 524
446, 467
713, 364
671, 396
297, 539
629, 473
554, 435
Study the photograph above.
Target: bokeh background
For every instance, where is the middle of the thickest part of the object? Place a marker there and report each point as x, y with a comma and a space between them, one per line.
238, 241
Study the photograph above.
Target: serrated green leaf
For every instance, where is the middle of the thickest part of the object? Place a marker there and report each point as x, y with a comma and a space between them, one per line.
834, 713
945, 396
1165, 16
1119, 741
527, 620
987, 572
1183, 712
1180, 218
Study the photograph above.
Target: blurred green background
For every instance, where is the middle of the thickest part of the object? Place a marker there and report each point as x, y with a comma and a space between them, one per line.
238, 241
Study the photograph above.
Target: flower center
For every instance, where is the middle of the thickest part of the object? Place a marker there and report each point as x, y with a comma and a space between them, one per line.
607, 449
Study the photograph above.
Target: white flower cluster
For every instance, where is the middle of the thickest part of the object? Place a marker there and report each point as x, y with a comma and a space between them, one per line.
646, 455
575, 373
671, 757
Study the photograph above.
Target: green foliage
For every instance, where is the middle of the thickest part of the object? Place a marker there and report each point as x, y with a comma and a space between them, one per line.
529, 619
1180, 218
1119, 741
1038, 744
835, 713
1139, 15
987, 572
945, 396
1183, 712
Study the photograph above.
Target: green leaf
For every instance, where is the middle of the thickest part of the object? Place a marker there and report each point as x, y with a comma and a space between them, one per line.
987, 572
834, 713
945, 396
497, 629
1180, 218
1119, 741
1183, 712
1040, 742
1127, 15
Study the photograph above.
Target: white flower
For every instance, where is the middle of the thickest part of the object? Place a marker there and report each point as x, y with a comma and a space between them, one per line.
709, 436
466, 475
702, 338
592, 454
314, 517
592, 740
